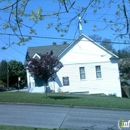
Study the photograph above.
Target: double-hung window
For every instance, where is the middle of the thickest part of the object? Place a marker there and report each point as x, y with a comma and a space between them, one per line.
65, 81
82, 72
98, 71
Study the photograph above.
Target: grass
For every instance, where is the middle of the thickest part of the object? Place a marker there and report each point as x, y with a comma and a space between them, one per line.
66, 99
4, 127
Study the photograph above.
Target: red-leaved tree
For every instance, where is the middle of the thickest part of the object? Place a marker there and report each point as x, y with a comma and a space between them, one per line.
44, 67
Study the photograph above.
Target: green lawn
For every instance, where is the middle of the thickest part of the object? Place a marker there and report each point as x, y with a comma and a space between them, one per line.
66, 99
3, 127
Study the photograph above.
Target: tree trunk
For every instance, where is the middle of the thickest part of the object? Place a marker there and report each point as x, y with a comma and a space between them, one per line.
46, 92
46, 84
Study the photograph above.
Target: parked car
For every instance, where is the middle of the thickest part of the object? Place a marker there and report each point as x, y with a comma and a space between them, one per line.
2, 88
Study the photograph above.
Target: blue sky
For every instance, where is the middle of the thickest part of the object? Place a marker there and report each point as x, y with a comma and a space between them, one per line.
49, 6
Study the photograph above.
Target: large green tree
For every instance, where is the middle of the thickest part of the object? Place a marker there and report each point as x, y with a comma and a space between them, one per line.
16, 21
16, 70
10, 71
124, 53
3, 71
124, 65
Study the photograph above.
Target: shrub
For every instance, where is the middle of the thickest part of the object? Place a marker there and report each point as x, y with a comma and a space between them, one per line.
1, 82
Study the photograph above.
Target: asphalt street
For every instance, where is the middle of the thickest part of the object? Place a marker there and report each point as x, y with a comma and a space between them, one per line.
61, 117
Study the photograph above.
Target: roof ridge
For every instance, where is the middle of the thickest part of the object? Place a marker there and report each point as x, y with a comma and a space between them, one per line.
48, 45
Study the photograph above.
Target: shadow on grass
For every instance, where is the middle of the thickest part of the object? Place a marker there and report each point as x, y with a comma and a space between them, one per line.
62, 97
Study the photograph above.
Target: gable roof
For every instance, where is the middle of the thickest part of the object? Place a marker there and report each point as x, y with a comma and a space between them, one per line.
57, 50
89, 39
60, 50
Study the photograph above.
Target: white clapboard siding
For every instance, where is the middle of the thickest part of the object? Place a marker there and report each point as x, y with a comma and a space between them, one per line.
86, 54
108, 84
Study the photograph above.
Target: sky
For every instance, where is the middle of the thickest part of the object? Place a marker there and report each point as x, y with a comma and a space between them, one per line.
48, 36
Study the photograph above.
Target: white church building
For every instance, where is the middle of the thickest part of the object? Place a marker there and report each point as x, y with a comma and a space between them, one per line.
87, 68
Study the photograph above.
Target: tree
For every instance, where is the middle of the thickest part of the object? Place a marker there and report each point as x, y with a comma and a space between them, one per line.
44, 67
124, 65
96, 38
16, 70
107, 43
3, 71
10, 71
119, 22
124, 53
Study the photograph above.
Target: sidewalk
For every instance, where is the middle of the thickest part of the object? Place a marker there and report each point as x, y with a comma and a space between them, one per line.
20, 90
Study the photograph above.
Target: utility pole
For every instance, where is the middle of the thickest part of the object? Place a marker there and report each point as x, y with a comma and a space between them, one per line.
7, 76
129, 28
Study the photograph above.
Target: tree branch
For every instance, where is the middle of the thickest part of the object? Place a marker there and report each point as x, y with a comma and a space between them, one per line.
10, 5
72, 5
10, 21
126, 17
17, 19
65, 6
25, 5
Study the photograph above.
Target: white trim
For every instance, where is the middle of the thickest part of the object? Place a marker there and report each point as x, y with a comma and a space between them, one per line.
69, 46
82, 73
36, 55
87, 63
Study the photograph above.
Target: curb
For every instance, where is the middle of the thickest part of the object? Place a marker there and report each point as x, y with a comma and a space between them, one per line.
102, 108
33, 104
65, 106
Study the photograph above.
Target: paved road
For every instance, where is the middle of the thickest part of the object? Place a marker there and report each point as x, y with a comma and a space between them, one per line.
61, 117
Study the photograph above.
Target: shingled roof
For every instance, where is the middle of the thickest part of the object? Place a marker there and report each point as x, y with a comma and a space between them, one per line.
57, 50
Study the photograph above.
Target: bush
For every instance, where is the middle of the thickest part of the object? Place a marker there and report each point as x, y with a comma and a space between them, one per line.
114, 94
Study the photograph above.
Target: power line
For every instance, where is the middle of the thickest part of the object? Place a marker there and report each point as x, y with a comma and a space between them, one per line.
9, 55
47, 11
12, 47
60, 38
71, 13
88, 20
17, 51
2, 57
